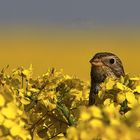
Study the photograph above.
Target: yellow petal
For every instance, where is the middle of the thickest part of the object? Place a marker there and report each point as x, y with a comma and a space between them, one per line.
115, 122
1, 118
26, 72
10, 111
107, 102
120, 86
131, 99
85, 116
34, 90
16, 130
25, 101
9, 123
96, 112
72, 133
120, 97
110, 84
127, 114
96, 123
2, 101
137, 89
135, 78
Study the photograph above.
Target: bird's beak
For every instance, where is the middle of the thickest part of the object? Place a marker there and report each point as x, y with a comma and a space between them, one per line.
96, 62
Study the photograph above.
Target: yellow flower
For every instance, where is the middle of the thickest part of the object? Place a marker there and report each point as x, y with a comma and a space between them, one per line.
96, 123
112, 109
107, 102
96, 112
127, 114
34, 90
51, 95
85, 116
137, 89
115, 122
83, 135
138, 124
78, 94
100, 93
25, 101
120, 97
10, 111
16, 130
131, 99
110, 134
120, 86
72, 133
110, 84
9, 123
2, 101
135, 78
139, 100
26, 72
1, 118
51, 106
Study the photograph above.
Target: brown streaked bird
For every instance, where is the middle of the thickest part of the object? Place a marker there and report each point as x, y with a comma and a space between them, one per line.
103, 65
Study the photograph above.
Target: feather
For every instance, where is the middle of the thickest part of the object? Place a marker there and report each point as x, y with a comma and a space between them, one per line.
101, 68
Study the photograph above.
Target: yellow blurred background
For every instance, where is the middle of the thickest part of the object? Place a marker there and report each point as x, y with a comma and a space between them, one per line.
69, 50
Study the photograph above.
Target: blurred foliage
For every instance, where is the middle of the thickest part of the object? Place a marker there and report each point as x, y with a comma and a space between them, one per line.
55, 106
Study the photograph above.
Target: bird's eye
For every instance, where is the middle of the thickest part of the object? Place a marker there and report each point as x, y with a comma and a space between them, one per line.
112, 61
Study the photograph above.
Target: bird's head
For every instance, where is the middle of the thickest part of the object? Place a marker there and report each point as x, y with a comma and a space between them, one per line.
106, 64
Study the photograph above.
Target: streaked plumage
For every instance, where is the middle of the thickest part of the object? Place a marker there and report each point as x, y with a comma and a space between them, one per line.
103, 65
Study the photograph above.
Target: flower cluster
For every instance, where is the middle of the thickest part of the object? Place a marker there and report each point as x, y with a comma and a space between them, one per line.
55, 106
115, 115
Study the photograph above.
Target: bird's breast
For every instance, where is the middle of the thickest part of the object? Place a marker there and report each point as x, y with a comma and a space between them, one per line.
98, 74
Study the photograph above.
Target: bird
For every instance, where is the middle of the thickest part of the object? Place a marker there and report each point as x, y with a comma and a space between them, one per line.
103, 65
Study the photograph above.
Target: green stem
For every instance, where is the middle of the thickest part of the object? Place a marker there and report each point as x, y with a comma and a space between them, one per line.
64, 110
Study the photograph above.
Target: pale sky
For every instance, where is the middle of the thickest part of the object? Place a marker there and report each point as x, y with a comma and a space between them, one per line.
70, 12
